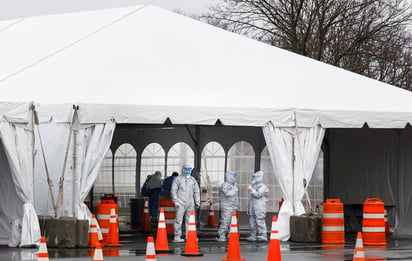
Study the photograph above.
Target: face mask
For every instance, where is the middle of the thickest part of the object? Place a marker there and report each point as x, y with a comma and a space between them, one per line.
255, 178
187, 171
233, 175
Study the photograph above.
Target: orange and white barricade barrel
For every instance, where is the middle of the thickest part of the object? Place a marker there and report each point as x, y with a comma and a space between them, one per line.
386, 221
373, 225
103, 216
333, 224
169, 209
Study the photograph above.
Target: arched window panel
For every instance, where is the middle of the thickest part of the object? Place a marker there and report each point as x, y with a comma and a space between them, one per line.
213, 168
275, 193
179, 154
315, 187
125, 174
104, 181
241, 159
153, 159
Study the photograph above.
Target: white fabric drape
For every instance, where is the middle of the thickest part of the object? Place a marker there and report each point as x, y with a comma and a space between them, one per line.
17, 144
92, 144
282, 143
10, 205
307, 147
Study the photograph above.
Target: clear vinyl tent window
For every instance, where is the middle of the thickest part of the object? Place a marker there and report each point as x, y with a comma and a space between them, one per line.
315, 187
104, 180
124, 175
178, 155
212, 172
271, 181
153, 159
241, 159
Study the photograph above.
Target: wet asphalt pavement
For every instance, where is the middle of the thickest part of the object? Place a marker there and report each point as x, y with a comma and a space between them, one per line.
135, 245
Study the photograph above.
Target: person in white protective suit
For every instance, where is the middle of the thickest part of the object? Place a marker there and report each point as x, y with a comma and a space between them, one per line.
258, 198
185, 194
228, 203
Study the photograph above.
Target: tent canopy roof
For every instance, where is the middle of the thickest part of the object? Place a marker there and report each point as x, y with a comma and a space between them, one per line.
144, 64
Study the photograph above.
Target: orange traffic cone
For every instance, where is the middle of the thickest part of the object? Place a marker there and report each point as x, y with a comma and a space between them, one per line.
113, 237
43, 254
161, 238
93, 235
220, 217
359, 253
274, 244
211, 222
146, 216
150, 250
233, 249
192, 248
98, 254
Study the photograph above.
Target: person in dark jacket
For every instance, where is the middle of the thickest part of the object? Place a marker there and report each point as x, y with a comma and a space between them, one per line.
154, 187
143, 190
167, 184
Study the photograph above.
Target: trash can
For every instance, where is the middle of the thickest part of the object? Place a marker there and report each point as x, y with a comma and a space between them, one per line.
136, 212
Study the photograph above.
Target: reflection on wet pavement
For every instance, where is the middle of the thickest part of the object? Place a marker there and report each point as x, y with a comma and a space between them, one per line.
134, 249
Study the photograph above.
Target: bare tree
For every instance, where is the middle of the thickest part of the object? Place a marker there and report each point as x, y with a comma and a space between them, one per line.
370, 37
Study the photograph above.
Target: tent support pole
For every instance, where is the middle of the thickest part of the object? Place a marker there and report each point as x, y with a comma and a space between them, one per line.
137, 173
75, 192
60, 195
33, 148
49, 180
113, 174
198, 157
293, 174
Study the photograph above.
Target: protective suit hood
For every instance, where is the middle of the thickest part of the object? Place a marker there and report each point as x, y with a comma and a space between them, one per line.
258, 176
186, 170
230, 177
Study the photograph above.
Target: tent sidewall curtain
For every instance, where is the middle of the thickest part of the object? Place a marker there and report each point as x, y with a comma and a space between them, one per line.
92, 144
284, 145
17, 145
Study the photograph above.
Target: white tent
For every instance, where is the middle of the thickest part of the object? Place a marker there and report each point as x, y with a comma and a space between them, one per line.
143, 64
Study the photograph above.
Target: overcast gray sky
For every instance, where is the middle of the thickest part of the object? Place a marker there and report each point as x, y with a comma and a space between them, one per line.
22, 8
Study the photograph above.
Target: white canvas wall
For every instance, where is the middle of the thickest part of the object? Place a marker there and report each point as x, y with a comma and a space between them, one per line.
11, 206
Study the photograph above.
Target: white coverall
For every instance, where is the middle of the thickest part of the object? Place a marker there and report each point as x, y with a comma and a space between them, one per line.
185, 194
258, 198
228, 203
